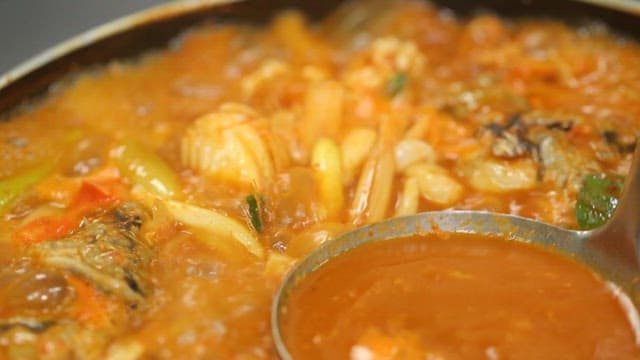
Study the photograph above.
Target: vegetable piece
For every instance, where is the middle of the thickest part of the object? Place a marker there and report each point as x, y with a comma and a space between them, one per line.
278, 265
409, 197
396, 84
323, 111
13, 187
327, 163
142, 166
45, 228
292, 30
373, 191
381, 187
269, 70
88, 198
216, 224
125, 350
355, 148
598, 199
411, 151
435, 183
254, 212
495, 176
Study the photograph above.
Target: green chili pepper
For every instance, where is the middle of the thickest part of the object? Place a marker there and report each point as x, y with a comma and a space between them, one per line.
598, 199
12, 187
143, 167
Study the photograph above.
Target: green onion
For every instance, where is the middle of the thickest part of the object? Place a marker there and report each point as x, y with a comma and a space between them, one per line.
598, 199
13, 187
254, 212
396, 84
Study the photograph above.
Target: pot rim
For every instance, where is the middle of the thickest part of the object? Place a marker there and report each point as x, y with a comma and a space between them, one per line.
124, 23
628, 6
175, 8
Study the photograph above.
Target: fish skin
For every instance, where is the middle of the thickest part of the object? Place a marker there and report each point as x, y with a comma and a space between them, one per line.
105, 251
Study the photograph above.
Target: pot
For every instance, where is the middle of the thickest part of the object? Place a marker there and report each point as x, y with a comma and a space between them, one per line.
154, 28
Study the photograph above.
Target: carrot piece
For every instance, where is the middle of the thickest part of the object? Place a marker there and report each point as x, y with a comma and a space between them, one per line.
41, 229
89, 197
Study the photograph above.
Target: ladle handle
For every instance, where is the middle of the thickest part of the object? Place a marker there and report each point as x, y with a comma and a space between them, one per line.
620, 236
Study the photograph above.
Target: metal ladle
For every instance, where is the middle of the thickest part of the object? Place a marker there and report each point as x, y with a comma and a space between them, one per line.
611, 250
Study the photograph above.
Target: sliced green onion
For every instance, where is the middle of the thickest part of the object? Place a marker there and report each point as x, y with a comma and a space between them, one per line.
396, 84
254, 212
12, 187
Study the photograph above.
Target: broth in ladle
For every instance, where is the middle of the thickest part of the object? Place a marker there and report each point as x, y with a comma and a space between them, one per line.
456, 296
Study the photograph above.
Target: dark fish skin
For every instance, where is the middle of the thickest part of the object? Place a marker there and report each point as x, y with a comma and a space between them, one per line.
104, 251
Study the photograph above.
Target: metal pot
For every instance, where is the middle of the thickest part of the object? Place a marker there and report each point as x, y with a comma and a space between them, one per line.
154, 28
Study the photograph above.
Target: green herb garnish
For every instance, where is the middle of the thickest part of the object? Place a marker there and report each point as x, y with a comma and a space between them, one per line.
254, 212
396, 84
598, 199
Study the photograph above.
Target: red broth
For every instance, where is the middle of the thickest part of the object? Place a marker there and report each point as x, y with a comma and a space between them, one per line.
456, 297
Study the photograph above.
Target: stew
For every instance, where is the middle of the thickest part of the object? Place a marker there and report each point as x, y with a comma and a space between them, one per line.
150, 208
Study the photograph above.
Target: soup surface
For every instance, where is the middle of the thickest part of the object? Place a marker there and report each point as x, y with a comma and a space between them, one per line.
150, 208
454, 296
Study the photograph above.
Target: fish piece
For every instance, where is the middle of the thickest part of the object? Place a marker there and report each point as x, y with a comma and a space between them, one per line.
104, 251
508, 141
563, 164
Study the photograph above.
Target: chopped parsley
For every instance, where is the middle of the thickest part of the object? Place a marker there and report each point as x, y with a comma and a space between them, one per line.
598, 199
396, 84
254, 212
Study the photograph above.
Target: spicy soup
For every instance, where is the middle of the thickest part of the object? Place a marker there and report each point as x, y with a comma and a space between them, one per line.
456, 296
150, 208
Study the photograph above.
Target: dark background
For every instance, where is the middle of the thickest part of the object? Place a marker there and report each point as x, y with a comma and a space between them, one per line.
28, 27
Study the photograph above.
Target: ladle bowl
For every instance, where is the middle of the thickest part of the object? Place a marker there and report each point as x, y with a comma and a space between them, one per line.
611, 250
